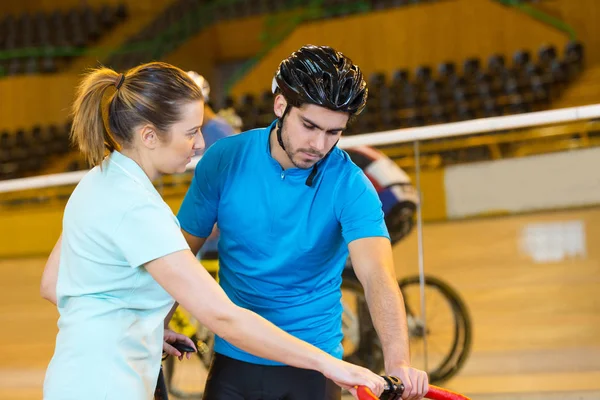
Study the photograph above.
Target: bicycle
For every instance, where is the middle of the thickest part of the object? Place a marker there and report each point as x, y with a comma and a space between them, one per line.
451, 334
393, 388
361, 344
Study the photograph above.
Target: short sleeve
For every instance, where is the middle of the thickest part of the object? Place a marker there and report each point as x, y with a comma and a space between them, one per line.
359, 209
198, 212
148, 231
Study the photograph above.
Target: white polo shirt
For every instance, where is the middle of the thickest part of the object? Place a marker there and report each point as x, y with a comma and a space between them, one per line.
112, 311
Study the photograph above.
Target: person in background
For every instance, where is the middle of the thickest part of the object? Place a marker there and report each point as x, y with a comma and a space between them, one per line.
214, 126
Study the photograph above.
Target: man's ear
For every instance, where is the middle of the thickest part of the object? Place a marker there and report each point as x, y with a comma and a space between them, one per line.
279, 105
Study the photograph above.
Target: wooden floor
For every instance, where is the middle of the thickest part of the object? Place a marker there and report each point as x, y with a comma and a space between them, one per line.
536, 324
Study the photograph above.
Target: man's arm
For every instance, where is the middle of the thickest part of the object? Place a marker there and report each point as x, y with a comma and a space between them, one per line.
50, 274
194, 242
373, 264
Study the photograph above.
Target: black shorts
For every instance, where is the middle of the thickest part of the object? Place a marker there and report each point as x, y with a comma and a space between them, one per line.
230, 379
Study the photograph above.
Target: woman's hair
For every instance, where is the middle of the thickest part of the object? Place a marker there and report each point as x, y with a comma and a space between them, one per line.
151, 93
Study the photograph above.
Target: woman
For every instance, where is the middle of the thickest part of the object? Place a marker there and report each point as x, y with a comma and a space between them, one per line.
121, 258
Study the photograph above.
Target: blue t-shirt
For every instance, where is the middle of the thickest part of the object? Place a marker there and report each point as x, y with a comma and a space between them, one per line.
283, 244
215, 129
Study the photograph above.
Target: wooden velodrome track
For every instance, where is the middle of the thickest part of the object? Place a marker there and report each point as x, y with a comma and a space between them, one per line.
536, 325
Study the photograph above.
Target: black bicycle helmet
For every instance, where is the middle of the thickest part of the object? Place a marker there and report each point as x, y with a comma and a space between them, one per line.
322, 76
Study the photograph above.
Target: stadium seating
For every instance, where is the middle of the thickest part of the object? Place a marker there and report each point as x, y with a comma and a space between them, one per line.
478, 88
51, 33
24, 153
183, 18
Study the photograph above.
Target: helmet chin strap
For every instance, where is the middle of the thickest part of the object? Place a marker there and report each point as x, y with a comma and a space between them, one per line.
280, 125
313, 173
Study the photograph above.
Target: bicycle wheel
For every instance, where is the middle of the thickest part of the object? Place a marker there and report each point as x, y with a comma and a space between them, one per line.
448, 337
446, 327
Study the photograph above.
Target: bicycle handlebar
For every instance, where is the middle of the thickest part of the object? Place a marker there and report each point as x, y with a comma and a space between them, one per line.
434, 393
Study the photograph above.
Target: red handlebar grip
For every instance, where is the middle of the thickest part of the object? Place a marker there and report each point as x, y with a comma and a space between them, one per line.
434, 393
364, 393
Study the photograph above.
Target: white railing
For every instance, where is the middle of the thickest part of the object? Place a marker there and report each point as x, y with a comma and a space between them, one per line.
374, 139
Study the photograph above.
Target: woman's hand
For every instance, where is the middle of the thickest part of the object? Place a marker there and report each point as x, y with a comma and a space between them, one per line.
349, 376
172, 337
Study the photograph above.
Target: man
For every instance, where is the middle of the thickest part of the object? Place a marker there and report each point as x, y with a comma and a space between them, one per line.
214, 127
290, 206
229, 114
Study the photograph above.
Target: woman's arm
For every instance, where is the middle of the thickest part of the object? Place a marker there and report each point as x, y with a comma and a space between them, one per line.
191, 285
50, 274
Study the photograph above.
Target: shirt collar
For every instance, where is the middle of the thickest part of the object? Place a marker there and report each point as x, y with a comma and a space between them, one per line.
132, 169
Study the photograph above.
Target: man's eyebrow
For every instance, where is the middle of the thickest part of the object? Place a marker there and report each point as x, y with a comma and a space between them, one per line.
318, 127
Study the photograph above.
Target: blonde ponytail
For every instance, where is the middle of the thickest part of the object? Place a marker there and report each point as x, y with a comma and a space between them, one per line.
90, 115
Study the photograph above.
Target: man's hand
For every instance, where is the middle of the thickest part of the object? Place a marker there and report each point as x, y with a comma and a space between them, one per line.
172, 337
415, 381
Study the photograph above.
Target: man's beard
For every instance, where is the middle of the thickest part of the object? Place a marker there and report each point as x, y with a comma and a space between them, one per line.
288, 150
